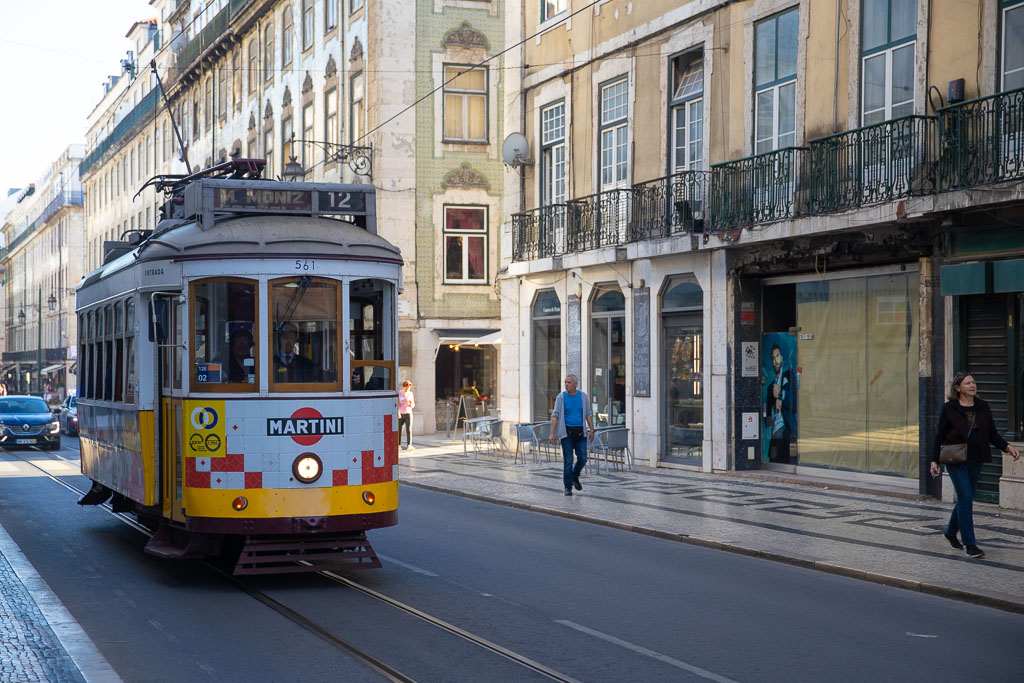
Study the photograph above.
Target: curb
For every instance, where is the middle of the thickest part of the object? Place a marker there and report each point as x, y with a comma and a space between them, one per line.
1005, 604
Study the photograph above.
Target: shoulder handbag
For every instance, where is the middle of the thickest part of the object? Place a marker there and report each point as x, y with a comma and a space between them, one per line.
955, 453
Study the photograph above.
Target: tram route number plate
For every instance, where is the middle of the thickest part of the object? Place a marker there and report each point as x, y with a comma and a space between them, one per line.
24, 441
331, 201
209, 372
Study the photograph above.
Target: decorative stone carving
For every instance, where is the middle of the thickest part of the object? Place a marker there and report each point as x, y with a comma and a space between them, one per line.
307, 84
252, 120
465, 176
357, 50
465, 36
286, 100
332, 69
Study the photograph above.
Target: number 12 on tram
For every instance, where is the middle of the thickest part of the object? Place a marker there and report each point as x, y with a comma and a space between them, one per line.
237, 386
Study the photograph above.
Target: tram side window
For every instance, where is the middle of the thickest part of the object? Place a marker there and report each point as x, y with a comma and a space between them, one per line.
371, 337
131, 386
223, 335
82, 365
304, 323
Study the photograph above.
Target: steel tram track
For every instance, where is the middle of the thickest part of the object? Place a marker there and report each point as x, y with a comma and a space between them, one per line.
362, 656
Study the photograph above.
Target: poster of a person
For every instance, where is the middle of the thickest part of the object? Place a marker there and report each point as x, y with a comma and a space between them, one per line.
779, 397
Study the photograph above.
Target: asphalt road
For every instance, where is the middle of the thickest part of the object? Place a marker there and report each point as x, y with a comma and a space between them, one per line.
592, 603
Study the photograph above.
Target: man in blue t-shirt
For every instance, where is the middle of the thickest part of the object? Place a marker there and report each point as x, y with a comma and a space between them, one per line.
571, 410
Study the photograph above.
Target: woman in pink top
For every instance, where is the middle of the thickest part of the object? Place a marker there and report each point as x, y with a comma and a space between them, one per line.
406, 402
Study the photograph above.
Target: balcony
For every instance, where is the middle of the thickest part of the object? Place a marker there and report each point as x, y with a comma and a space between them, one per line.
207, 38
134, 117
981, 141
674, 204
538, 233
873, 164
598, 220
759, 189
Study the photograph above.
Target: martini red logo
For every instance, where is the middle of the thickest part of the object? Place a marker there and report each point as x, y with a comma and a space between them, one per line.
306, 426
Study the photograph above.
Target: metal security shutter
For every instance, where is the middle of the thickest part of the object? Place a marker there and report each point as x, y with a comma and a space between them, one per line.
987, 354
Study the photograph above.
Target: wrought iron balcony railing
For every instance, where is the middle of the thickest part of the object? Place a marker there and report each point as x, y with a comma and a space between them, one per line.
538, 233
759, 189
982, 141
210, 34
598, 220
145, 106
873, 164
671, 205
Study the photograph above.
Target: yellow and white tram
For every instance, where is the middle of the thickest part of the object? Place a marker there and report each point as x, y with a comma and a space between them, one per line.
237, 373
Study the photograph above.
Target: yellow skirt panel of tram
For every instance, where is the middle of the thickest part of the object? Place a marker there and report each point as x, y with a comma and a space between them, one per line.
306, 502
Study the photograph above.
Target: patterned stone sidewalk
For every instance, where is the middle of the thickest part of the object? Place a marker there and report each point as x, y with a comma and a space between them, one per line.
39, 640
896, 540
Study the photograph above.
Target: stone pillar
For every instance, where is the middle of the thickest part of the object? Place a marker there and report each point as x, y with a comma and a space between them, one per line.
1011, 483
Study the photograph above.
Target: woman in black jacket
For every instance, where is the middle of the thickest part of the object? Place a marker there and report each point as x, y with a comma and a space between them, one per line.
966, 419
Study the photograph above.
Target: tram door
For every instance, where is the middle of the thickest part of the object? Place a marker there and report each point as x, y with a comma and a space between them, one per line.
172, 456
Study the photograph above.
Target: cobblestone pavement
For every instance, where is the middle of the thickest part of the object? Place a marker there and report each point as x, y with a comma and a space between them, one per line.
891, 539
31, 617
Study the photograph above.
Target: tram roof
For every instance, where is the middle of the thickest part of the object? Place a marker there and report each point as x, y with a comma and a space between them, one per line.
255, 236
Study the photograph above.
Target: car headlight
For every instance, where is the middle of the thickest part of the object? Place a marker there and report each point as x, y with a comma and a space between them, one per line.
54, 427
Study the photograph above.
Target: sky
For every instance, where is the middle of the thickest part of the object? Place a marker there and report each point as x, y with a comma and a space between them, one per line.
56, 54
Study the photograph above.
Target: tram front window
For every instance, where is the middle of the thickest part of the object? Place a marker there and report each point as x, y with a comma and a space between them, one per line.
304, 324
223, 343
371, 347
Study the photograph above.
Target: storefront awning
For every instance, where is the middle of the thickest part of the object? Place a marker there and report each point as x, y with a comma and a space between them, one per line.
51, 368
456, 337
966, 278
1008, 276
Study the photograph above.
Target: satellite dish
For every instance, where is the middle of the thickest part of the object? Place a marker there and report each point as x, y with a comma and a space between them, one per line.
515, 151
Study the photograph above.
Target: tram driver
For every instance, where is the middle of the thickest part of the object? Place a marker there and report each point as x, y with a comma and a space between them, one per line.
290, 366
241, 365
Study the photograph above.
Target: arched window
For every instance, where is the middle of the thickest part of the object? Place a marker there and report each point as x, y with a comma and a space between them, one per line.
547, 353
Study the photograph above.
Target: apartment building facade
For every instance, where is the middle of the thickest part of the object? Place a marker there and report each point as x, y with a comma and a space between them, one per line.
327, 90
766, 233
44, 236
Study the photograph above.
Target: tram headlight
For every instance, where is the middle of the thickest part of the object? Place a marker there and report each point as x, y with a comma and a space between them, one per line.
240, 503
368, 497
307, 468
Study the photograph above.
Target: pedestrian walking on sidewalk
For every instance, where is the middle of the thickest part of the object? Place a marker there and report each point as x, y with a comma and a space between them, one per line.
572, 410
406, 402
966, 419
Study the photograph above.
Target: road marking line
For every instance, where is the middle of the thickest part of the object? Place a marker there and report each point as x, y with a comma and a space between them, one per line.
920, 635
410, 567
696, 670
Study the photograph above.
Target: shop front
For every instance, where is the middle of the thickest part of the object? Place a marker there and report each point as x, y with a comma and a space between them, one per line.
682, 343
839, 374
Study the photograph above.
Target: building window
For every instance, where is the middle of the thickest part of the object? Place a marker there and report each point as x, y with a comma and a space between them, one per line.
552, 125
222, 91
356, 114
331, 116
687, 112
887, 70
1013, 47
775, 48
268, 53
465, 244
307, 24
268, 153
550, 8
252, 65
355, 6
465, 104
307, 135
287, 138
547, 353
286, 37
236, 80
613, 134
330, 14
208, 104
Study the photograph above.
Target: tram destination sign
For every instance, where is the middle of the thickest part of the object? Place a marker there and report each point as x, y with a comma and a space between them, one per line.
288, 201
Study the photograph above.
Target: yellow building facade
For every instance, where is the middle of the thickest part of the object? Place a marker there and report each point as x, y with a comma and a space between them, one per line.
755, 229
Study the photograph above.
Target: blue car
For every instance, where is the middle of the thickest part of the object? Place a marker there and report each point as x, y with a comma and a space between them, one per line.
27, 421
68, 416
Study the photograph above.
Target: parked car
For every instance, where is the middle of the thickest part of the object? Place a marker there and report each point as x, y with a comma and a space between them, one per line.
68, 416
28, 421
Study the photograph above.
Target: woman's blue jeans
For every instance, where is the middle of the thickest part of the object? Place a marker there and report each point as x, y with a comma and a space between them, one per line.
570, 472
965, 482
